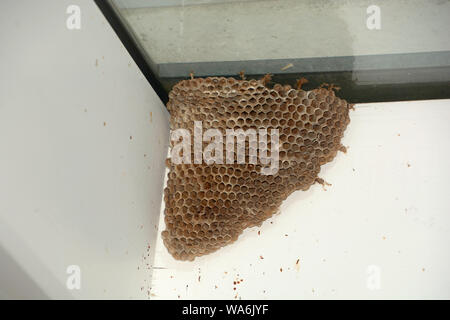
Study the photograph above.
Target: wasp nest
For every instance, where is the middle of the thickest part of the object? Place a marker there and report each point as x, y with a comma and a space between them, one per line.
207, 206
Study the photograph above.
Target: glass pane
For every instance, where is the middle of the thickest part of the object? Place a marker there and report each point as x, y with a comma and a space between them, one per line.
395, 46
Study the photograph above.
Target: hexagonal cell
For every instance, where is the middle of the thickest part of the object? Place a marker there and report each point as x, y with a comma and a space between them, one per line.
208, 206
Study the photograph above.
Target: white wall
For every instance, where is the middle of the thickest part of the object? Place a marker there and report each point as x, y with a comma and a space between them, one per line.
385, 217
83, 142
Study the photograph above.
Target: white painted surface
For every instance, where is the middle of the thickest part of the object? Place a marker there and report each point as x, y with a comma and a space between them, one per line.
387, 207
75, 189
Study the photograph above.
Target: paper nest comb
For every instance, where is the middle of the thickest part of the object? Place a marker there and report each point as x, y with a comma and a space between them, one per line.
208, 206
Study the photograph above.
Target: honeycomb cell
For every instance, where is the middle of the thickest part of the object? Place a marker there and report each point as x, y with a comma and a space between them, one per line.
208, 206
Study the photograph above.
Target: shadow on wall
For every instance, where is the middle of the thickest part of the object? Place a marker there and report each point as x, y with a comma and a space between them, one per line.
15, 282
